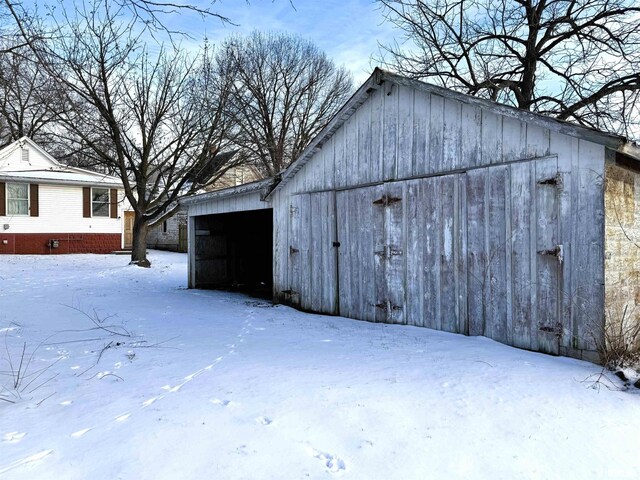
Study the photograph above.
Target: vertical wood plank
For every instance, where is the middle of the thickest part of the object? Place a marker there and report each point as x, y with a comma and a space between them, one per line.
379, 242
351, 154
339, 158
491, 138
452, 135
471, 135
448, 312
589, 244
538, 141
436, 134
496, 323
377, 151
566, 148
366, 259
395, 225
421, 114
344, 258
365, 142
461, 261
430, 190
306, 280
317, 251
522, 284
294, 253
476, 254
390, 134
355, 250
332, 258
547, 266
405, 131
415, 262
514, 139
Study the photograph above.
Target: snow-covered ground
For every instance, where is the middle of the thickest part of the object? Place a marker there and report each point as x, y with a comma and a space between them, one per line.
212, 385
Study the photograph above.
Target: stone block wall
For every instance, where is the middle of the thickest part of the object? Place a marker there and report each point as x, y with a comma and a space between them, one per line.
622, 247
167, 238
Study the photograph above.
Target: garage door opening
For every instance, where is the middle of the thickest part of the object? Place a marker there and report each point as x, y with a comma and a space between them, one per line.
234, 251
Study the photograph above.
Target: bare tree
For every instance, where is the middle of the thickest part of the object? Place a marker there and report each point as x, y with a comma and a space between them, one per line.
18, 22
27, 103
577, 60
285, 90
145, 115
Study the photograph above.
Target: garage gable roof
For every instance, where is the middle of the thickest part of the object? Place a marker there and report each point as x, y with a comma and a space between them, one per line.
381, 77
258, 186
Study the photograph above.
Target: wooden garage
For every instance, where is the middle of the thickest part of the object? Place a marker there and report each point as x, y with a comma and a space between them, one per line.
230, 235
421, 206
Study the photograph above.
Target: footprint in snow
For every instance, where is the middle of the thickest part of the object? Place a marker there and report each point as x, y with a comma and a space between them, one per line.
24, 461
13, 437
224, 403
333, 463
190, 377
146, 403
80, 433
122, 418
264, 420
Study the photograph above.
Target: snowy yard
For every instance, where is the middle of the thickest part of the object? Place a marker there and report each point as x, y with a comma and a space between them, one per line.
211, 385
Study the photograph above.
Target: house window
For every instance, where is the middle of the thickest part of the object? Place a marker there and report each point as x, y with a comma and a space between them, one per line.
100, 202
164, 227
17, 199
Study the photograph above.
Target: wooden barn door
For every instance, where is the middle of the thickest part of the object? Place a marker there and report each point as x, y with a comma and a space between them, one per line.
514, 258
298, 251
549, 256
312, 253
371, 267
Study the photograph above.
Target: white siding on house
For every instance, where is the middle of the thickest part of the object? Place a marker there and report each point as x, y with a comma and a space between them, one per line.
61, 212
13, 160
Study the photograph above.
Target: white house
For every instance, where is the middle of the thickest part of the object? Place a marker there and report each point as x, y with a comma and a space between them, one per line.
47, 207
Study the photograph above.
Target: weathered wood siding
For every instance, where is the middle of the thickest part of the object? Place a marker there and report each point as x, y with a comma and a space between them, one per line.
448, 216
227, 204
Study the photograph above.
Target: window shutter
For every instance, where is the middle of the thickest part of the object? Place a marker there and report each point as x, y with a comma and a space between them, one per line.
113, 198
34, 207
3, 201
86, 202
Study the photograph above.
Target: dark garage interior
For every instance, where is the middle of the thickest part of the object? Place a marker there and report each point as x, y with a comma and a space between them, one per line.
234, 251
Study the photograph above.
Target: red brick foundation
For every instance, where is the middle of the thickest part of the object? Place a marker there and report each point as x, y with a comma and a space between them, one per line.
39, 243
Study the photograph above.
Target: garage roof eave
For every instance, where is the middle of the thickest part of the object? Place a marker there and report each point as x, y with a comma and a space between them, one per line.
253, 187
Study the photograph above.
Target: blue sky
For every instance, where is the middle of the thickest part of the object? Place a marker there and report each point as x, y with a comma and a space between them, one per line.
347, 30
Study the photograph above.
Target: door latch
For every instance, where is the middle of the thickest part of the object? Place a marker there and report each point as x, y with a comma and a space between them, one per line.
557, 252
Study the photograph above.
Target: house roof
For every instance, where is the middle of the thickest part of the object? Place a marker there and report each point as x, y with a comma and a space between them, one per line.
50, 171
380, 77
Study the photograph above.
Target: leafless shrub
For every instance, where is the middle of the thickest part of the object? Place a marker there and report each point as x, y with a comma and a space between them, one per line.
21, 378
618, 341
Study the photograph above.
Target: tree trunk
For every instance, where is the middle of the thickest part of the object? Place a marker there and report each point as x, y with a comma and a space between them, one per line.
139, 244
